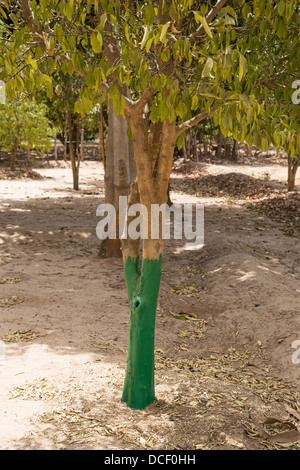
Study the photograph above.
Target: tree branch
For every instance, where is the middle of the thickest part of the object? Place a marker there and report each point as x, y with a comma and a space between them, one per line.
193, 122
29, 18
139, 105
42, 38
130, 105
209, 17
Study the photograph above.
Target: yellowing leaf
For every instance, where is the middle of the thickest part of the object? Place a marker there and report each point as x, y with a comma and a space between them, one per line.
96, 42
164, 31
145, 37
242, 67
127, 33
203, 21
207, 67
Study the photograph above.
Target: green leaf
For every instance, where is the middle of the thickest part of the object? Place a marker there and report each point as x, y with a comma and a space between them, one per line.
180, 141
149, 44
96, 42
3, 13
207, 67
250, 114
126, 31
20, 83
242, 67
195, 101
264, 144
32, 62
77, 61
281, 7
50, 88
165, 55
145, 37
58, 89
149, 15
164, 30
203, 21
181, 109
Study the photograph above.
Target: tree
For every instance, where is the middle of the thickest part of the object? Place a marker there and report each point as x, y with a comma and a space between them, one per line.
119, 173
293, 163
24, 126
165, 66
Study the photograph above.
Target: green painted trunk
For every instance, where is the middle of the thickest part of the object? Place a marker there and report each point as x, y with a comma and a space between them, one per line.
143, 288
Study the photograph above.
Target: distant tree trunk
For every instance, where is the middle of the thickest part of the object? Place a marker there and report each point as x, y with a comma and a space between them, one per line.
27, 156
234, 152
184, 150
220, 145
227, 151
74, 156
101, 138
195, 142
13, 155
55, 147
293, 163
65, 137
82, 144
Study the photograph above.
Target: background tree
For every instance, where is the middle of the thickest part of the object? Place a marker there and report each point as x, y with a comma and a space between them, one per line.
24, 126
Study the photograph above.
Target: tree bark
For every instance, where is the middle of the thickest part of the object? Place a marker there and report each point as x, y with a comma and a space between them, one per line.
293, 163
75, 158
13, 155
65, 137
119, 173
220, 145
234, 153
101, 138
153, 163
228, 153
55, 147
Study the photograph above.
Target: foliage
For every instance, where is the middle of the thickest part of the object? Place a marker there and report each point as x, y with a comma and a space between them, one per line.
24, 126
240, 60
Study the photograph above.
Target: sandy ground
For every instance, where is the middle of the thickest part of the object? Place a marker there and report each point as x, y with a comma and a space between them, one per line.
228, 315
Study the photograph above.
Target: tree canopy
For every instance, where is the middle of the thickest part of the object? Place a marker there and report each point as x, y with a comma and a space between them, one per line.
24, 126
237, 58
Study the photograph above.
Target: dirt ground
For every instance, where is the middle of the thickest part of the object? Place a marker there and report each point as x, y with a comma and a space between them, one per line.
227, 376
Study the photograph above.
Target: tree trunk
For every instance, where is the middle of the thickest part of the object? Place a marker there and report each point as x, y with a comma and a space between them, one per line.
55, 147
293, 163
65, 138
101, 138
227, 155
73, 156
28, 157
196, 147
119, 173
13, 155
82, 145
220, 145
154, 163
234, 153
143, 289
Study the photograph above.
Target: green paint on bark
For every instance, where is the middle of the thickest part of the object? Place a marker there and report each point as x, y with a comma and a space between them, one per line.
143, 289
